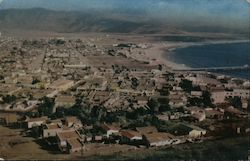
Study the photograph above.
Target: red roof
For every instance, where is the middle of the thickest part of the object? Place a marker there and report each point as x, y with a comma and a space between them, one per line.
130, 134
109, 127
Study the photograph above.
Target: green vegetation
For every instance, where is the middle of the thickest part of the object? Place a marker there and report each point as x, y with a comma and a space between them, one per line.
206, 98
195, 101
236, 102
154, 105
203, 101
46, 107
36, 131
9, 99
35, 81
186, 85
135, 82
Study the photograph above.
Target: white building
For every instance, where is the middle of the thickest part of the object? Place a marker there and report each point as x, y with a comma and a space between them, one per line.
36, 122
110, 129
158, 139
50, 130
219, 96
189, 130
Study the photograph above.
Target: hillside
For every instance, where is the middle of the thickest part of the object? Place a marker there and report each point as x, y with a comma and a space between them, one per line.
40, 19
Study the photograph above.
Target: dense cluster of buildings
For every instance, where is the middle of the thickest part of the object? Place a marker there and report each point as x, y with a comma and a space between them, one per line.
76, 72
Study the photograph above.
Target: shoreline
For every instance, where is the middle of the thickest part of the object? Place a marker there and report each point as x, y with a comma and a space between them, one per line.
158, 51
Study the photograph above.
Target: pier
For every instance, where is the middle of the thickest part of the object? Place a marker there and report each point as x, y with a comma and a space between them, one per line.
214, 69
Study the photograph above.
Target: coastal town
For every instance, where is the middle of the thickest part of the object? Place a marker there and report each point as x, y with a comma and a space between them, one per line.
104, 94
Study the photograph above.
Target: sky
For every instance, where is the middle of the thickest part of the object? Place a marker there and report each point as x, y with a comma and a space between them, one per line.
230, 13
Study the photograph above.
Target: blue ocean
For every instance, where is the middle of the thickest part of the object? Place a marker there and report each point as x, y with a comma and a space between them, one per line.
215, 55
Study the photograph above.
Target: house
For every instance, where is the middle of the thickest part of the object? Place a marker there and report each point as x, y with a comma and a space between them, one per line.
25, 80
9, 89
246, 84
146, 130
74, 145
142, 100
218, 96
197, 113
214, 114
50, 130
10, 80
196, 93
65, 101
100, 97
245, 103
61, 84
110, 129
130, 137
36, 121
63, 137
188, 130
202, 79
176, 88
163, 117
56, 121
242, 93
97, 138
176, 103
158, 139
72, 121
88, 138
195, 109
99, 83
199, 116
9, 118
231, 111
174, 115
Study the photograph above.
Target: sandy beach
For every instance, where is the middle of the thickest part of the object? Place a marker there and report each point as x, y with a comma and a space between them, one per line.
157, 51
155, 54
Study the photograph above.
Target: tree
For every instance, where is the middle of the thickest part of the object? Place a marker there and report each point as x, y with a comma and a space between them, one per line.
35, 81
135, 82
186, 85
136, 113
163, 104
9, 99
153, 105
236, 102
98, 114
164, 108
35, 131
160, 67
195, 101
206, 98
60, 112
164, 91
111, 117
46, 107
1, 77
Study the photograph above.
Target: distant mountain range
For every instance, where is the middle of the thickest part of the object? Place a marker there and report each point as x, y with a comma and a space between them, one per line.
79, 21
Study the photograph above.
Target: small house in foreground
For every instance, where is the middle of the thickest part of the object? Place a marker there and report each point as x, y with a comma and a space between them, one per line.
158, 139
131, 137
188, 130
36, 121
